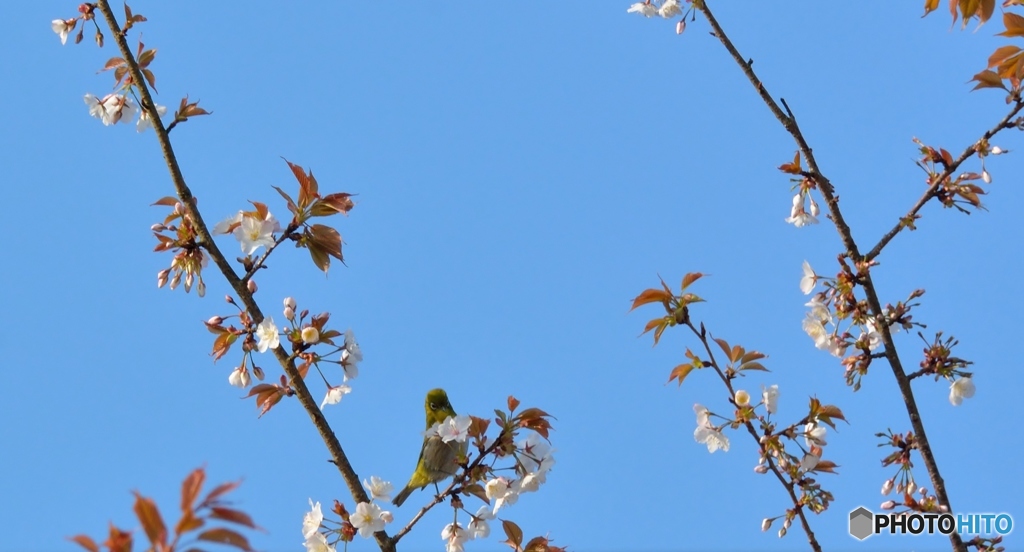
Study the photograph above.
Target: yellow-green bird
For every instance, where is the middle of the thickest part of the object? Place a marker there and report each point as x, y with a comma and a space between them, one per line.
438, 460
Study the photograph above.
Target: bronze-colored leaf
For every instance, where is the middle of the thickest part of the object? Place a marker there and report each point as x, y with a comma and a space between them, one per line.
291, 204
320, 259
680, 372
225, 536
190, 488
513, 403
514, 534
150, 78
794, 167
651, 295
1014, 25
231, 515
690, 278
930, 6
988, 79
147, 57
152, 522
224, 488
188, 522
476, 490
85, 542
332, 204
112, 63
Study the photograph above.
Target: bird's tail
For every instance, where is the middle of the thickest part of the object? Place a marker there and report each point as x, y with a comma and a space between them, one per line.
402, 496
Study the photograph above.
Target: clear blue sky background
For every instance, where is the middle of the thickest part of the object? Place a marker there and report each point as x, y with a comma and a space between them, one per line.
522, 173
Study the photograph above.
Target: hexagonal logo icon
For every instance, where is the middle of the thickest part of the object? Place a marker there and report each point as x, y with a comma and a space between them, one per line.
861, 521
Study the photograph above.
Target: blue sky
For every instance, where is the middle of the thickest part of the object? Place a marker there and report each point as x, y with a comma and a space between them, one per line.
522, 174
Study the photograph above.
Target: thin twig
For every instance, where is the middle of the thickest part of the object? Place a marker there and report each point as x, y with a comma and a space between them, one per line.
798, 507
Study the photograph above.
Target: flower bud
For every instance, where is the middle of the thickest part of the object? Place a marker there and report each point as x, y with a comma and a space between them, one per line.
386, 517
230, 300
766, 524
996, 150
310, 335
251, 286
742, 398
888, 505
158, 227
814, 208
289, 303
911, 487
681, 26
786, 524
215, 321
289, 314
761, 468
161, 277
782, 532
99, 39
258, 372
201, 288
887, 486
987, 178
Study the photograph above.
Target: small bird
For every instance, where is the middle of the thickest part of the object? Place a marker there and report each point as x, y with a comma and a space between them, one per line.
438, 460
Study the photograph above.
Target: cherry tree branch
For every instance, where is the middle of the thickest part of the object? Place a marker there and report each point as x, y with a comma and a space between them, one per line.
238, 284
798, 507
788, 121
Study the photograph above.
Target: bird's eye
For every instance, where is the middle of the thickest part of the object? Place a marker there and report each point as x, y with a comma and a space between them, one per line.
433, 406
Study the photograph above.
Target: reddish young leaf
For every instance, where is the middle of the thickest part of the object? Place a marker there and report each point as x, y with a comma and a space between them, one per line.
85, 542
331, 205
225, 536
261, 209
651, 295
220, 490
166, 201
152, 522
794, 167
118, 540
188, 522
514, 534
660, 330
190, 488
690, 278
680, 372
320, 259
291, 204
233, 516
512, 403
327, 238
1002, 54
1014, 25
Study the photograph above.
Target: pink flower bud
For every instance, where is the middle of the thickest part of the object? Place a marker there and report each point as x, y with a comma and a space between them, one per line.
158, 227
258, 372
201, 288
814, 208
887, 486
888, 505
289, 314
911, 487
161, 277
766, 524
215, 321
251, 286
386, 517
761, 468
681, 26
289, 303
987, 178
230, 300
